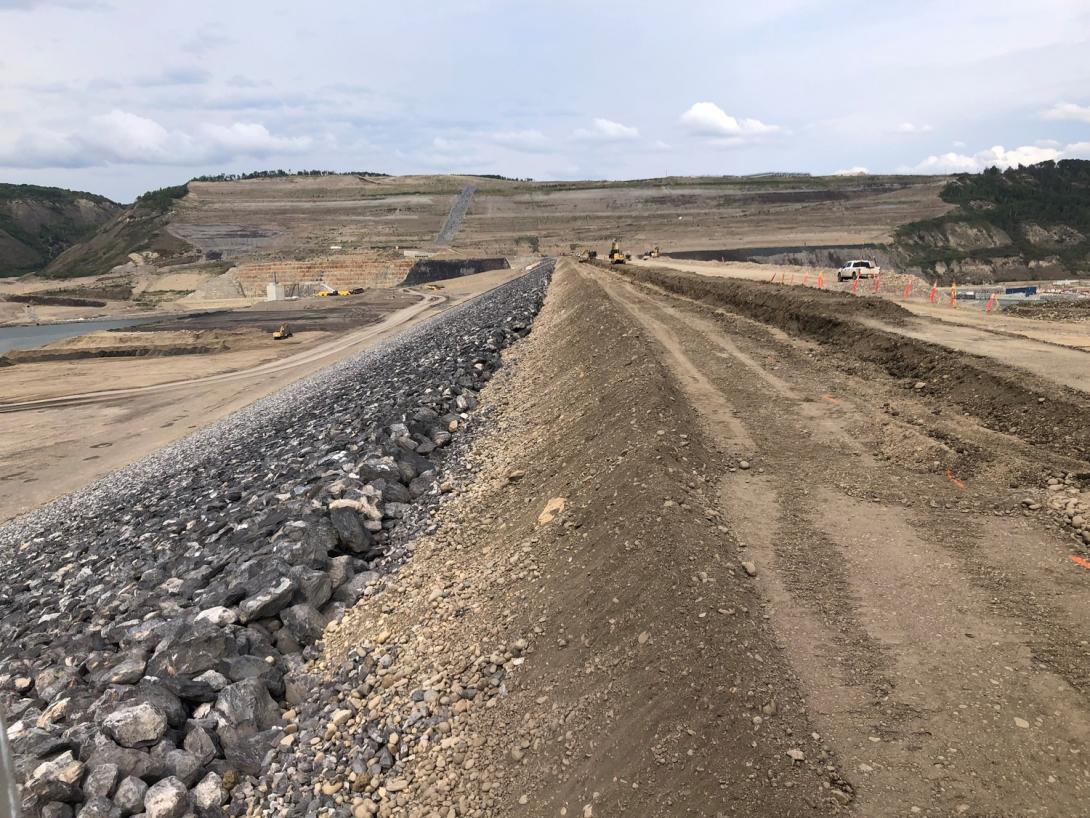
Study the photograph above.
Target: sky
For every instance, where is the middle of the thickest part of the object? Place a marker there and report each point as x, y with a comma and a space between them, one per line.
119, 96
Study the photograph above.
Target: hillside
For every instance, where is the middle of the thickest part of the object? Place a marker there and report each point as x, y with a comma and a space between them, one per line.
301, 217
139, 228
37, 224
1022, 223
287, 218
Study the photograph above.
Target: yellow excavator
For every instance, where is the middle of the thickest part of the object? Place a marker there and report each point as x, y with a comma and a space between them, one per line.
616, 255
281, 333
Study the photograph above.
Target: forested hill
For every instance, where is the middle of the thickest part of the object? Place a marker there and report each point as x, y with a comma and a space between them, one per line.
1025, 222
37, 223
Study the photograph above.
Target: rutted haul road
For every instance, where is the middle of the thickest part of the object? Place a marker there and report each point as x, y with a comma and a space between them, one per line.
938, 629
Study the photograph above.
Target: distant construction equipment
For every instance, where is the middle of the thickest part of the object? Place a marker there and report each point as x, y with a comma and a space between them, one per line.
616, 255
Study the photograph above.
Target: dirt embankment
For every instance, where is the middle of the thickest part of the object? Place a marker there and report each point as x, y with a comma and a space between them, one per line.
1052, 310
1008, 400
586, 573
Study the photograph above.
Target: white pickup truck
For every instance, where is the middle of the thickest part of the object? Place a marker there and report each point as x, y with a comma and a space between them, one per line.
860, 268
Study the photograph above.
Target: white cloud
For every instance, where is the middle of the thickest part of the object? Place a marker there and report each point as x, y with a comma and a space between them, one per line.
855, 171
530, 139
1000, 157
911, 128
1068, 110
124, 138
26, 5
606, 130
708, 119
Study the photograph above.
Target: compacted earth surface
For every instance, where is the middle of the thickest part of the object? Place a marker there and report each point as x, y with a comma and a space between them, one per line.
679, 555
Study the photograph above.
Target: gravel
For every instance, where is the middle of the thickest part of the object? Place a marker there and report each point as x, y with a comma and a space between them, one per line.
155, 626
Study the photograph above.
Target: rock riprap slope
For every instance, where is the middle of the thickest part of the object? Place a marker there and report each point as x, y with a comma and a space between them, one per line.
154, 626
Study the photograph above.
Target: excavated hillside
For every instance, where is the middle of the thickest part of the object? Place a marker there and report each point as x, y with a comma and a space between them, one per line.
305, 219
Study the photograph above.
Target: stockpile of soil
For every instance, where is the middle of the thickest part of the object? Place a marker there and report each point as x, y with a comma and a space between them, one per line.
1051, 310
1005, 399
54, 301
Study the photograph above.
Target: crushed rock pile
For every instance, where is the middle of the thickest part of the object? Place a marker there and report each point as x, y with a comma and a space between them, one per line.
155, 627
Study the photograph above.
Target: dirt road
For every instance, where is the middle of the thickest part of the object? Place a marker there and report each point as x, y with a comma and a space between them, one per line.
939, 634
773, 582
318, 354
1050, 349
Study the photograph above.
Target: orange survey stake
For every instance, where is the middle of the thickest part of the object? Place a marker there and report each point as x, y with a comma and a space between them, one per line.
954, 480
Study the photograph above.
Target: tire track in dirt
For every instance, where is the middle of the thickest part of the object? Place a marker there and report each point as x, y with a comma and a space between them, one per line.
939, 696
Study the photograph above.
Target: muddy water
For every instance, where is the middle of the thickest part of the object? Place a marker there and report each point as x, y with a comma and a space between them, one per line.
32, 336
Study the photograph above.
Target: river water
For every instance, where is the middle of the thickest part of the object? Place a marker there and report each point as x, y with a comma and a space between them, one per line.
33, 336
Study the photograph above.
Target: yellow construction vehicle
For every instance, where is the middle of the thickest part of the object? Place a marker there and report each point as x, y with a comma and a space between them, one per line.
616, 255
655, 253
282, 333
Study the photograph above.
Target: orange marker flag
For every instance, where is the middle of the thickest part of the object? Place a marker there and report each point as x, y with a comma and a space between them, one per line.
990, 304
821, 280
908, 289
878, 282
855, 285
934, 292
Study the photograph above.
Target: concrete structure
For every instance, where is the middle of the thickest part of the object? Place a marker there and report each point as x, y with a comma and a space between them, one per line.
274, 292
343, 271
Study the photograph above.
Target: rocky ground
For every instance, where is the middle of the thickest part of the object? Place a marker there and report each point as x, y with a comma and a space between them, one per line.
673, 580
578, 636
1052, 310
683, 563
156, 626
